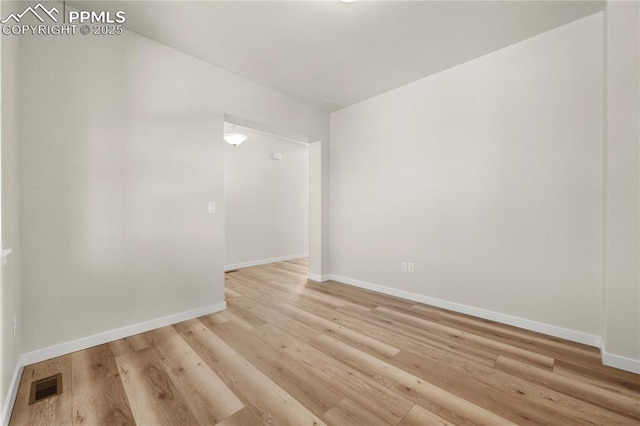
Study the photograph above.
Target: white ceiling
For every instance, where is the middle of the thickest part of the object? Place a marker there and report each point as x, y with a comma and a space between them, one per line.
332, 54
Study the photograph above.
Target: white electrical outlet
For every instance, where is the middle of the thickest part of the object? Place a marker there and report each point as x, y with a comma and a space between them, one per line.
403, 267
410, 267
15, 324
212, 206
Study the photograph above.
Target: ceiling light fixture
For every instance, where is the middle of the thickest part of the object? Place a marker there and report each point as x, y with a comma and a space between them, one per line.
235, 138
347, 1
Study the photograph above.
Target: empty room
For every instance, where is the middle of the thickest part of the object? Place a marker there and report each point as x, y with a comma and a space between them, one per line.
332, 212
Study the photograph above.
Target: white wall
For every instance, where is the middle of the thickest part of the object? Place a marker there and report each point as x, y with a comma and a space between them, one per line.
11, 288
622, 186
121, 152
318, 202
488, 176
267, 201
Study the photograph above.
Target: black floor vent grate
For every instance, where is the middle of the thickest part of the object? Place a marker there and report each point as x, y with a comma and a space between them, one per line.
45, 388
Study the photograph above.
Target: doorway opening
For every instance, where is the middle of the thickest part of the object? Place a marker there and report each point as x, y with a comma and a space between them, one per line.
266, 199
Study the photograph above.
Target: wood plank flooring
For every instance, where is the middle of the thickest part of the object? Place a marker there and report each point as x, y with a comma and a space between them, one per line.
288, 351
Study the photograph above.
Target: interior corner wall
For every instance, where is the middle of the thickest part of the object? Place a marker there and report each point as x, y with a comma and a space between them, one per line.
622, 186
11, 289
318, 208
488, 177
122, 150
267, 200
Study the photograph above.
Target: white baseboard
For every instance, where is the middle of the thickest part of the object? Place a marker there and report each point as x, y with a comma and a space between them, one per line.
120, 333
620, 362
318, 278
264, 261
608, 359
552, 330
10, 399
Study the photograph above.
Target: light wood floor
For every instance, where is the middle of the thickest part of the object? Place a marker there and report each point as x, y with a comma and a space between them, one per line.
292, 352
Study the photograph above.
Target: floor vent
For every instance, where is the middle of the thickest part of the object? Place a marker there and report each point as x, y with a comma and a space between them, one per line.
45, 388
233, 270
